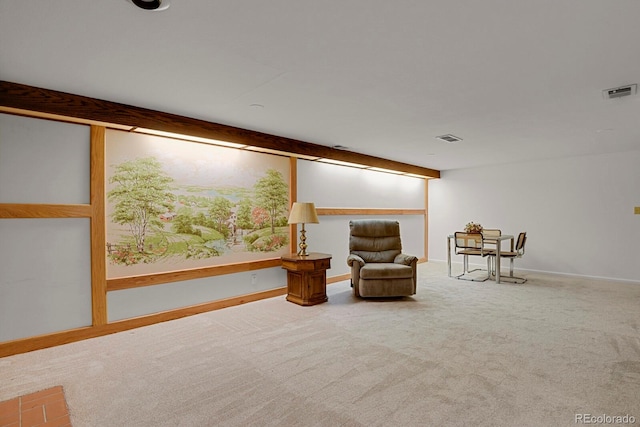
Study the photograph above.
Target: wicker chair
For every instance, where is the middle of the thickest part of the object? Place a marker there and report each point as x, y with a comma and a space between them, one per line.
472, 244
518, 252
489, 235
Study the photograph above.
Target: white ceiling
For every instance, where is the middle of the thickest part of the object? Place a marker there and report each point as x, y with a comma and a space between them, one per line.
517, 81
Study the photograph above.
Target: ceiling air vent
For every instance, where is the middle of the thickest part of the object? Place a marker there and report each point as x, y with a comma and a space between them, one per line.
619, 92
448, 138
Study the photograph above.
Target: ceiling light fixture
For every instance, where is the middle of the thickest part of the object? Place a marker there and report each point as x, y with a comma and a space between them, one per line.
341, 163
386, 171
190, 138
153, 5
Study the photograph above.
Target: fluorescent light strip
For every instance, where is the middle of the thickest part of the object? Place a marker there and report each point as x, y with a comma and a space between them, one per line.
278, 152
187, 137
371, 168
341, 163
387, 171
265, 150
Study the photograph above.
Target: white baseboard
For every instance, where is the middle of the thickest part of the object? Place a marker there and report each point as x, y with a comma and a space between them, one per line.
559, 273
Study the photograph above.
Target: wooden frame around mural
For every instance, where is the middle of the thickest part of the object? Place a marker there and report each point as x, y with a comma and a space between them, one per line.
181, 205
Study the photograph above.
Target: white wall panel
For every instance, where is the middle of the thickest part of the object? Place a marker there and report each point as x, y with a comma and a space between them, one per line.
45, 276
577, 212
42, 161
134, 302
338, 186
335, 186
45, 265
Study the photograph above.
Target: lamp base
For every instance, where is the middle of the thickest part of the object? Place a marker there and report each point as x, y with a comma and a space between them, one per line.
303, 242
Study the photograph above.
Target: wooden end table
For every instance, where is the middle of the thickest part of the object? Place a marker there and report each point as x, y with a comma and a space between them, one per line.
307, 277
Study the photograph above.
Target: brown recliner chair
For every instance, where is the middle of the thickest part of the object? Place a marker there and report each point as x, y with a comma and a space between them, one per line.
378, 266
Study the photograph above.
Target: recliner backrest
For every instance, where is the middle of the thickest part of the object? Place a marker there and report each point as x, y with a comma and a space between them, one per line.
375, 240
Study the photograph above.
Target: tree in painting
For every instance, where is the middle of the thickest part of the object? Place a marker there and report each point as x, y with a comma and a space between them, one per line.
259, 216
220, 211
141, 194
183, 223
160, 214
244, 220
272, 195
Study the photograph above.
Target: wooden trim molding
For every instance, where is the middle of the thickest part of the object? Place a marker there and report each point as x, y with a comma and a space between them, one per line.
33, 210
340, 278
98, 227
29, 100
190, 274
293, 197
369, 211
426, 219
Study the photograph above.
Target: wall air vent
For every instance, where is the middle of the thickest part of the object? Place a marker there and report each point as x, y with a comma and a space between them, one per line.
619, 92
448, 138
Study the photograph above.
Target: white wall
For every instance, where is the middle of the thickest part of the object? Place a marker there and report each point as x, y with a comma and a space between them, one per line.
327, 186
43, 161
45, 265
332, 186
578, 212
134, 302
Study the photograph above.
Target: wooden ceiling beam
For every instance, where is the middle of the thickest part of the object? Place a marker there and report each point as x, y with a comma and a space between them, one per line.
38, 102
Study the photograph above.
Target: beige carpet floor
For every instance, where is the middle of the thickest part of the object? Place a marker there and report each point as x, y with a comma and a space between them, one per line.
457, 354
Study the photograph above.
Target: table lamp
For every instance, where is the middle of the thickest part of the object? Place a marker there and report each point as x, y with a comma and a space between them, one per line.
303, 213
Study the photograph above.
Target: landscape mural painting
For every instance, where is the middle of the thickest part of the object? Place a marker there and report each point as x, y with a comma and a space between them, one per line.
174, 205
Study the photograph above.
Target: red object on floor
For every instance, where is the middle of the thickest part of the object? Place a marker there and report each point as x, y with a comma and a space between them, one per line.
47, 408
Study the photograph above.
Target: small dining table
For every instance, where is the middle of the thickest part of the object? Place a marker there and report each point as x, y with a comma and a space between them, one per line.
497, 240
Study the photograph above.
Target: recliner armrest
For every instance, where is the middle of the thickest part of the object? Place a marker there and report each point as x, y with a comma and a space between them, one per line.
354, 258
405, 259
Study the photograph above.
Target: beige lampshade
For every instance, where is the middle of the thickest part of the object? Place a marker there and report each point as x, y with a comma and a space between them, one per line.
303, 213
